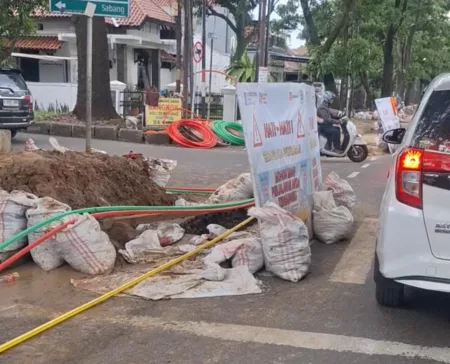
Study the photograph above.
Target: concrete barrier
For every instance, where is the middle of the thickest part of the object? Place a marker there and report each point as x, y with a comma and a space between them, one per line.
39, 128
5, 141
61, 129
106, 132
79, 131
157, 138
131, 135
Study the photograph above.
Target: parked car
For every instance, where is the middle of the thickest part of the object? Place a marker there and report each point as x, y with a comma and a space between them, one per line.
413, 237
16, 102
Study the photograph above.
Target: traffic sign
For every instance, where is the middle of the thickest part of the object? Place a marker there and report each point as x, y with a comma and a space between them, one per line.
112, 8
197, 52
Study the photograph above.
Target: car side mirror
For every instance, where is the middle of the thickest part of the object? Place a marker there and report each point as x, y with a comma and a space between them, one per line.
394, 136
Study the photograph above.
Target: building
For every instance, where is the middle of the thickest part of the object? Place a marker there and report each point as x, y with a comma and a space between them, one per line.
138, 47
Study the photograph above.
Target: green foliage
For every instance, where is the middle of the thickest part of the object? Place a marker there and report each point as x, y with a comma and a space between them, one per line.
15, 22
243, 70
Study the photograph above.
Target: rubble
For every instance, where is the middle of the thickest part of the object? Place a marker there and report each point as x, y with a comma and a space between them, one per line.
82, 180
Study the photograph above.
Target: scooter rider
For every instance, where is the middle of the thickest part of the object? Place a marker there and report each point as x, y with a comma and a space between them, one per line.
326, 128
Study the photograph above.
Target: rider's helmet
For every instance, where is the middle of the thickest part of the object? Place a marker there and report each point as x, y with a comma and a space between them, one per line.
328, 98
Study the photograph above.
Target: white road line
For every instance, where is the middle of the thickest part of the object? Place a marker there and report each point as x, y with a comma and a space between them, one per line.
355, 263
353, 175
291, 338
365, 165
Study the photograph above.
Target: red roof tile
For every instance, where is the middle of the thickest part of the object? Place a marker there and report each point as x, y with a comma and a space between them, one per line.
39, 43
140, 10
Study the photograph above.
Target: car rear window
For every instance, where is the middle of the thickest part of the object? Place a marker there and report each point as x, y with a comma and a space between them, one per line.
433, 128
12, 80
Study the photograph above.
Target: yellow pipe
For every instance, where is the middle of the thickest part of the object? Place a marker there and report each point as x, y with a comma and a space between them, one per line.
48, 325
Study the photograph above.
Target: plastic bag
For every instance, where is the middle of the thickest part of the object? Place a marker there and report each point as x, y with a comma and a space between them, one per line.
45, 255
331, 226
85, 247
324, 199
13, 220
285, 242
343, 193
239, 188
249, 254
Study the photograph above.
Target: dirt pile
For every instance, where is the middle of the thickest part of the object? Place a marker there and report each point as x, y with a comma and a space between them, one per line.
82, 180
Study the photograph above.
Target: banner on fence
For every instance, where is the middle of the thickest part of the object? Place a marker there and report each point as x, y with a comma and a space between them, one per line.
281, 137
168, 109
387, 111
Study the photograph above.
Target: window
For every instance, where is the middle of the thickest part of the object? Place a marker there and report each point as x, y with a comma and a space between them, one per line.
433, 128
40, 26
12, 80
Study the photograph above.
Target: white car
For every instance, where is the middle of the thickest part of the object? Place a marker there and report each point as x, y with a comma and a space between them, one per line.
413, 237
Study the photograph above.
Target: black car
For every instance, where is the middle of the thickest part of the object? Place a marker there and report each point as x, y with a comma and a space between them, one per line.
16, 102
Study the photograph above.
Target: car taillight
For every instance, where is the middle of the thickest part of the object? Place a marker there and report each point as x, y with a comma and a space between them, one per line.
29, 101
409, 177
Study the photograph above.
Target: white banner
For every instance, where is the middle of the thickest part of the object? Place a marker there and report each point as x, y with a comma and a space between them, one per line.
387, 111
282, 143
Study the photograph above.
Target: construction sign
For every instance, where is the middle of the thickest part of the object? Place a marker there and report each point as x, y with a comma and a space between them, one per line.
167, 111
387, 111
282, 144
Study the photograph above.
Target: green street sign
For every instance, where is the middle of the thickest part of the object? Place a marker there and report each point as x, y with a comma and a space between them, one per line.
113, 8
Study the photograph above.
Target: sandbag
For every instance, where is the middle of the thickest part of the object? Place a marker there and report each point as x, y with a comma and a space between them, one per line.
331, 226
249, 254
285, 242
169, 233
45, 255
160, 170
86, 247
324, 199
13, 207
343, 193
239, 188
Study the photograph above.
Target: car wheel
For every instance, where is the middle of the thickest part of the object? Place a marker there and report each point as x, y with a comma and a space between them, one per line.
358, 153
387, 292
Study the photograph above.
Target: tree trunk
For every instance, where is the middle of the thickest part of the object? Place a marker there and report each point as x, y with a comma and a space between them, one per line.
388, 65
406, 58
103, 108
369, 93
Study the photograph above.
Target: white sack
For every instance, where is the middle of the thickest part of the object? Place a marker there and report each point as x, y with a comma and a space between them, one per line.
13, 220
249, 254
169, 233
343, 193
331, 226
216, 230
214, 272
45, 255
86, 247
239, 188
222, 252
285, 242
137, 250
324, 199
160, 170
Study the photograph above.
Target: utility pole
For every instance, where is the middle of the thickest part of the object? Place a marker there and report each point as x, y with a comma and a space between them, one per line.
90, 11
262, 35
211, 36
178, 37
204, 59
266, 51
186, 55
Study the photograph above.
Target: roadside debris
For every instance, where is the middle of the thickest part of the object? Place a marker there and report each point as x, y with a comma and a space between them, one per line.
239, 188
8, 278
285, 242
343, 193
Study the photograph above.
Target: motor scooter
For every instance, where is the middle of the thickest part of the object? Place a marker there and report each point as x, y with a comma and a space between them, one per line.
353, 145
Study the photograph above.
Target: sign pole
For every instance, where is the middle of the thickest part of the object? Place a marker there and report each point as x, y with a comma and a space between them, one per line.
204, 60
89, 82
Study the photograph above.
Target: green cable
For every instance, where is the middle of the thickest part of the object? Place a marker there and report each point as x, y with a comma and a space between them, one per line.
115, 208
220, 128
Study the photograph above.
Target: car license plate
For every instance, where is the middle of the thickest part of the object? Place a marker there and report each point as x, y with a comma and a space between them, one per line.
11, 103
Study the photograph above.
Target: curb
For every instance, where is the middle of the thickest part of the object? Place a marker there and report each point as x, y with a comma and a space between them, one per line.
102, 132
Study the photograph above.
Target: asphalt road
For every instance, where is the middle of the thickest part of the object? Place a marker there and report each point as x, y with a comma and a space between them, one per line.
329, 317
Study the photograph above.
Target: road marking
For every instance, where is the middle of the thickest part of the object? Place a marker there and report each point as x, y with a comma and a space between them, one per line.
291, 338
353, 175
365, 165
355, 263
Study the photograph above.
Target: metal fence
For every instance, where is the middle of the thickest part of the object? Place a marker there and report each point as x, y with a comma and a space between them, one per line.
216, 107
133, 103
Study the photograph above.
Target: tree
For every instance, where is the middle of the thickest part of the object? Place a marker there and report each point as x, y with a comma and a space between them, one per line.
15, 22
102, 105
243, 70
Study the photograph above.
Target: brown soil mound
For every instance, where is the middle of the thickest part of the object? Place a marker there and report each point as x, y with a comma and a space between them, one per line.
82, 180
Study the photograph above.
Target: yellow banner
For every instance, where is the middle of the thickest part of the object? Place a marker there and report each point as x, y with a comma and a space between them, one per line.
155, 115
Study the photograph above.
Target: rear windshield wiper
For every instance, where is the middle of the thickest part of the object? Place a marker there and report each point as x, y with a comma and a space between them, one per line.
7, 88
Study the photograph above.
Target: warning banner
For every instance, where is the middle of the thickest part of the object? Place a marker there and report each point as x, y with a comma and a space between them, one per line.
280, 128
168, 109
